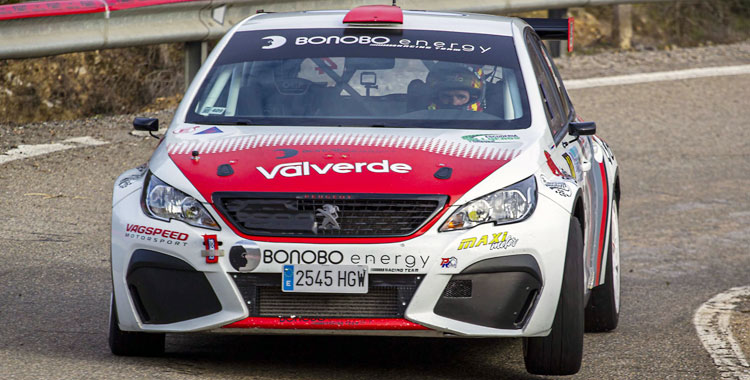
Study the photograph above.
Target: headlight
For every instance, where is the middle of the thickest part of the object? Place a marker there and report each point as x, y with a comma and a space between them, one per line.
164, 202
511, 204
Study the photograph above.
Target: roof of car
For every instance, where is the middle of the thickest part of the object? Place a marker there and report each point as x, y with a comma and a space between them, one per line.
419, 20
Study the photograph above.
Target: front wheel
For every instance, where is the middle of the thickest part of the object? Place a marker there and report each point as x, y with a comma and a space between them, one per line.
603, 310
561, 352
131, 343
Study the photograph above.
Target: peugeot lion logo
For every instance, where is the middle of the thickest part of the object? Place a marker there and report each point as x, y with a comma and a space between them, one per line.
272, 42
329, 213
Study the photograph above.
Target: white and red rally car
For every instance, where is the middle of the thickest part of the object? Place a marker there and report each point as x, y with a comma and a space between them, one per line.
376, 171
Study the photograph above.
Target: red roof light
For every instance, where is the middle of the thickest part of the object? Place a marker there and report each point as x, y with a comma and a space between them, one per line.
375, 13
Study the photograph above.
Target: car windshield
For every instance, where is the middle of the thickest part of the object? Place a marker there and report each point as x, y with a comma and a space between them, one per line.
364, 77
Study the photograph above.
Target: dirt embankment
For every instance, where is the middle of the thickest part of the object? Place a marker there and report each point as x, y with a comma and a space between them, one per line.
92, 83
140, 79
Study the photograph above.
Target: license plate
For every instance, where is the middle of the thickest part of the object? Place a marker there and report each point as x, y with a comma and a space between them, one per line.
324, 278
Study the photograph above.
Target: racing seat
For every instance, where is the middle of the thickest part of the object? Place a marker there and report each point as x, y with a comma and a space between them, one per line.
494, 94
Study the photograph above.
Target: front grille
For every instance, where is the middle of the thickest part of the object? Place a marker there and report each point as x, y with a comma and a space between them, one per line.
328, 215
387, 297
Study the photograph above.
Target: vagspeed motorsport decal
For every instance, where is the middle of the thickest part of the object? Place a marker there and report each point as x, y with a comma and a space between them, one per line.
156, 235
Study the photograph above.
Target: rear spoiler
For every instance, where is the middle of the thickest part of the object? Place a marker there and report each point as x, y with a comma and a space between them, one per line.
553, 29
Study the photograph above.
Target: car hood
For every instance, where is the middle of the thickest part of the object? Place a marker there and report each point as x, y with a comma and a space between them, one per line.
338, 160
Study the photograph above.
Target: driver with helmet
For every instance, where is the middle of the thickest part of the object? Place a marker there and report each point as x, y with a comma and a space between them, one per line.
455, 87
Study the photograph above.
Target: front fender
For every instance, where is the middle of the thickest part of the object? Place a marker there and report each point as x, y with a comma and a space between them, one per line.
128, 182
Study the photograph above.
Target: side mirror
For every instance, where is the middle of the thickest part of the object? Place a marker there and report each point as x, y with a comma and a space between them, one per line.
146, 124
582, 128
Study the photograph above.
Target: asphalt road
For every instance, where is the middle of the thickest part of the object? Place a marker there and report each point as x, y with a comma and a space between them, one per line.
683, 148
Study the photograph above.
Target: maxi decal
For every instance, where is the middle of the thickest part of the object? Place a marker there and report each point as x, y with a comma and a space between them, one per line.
412, 263
500, 240
156, 235
296, 169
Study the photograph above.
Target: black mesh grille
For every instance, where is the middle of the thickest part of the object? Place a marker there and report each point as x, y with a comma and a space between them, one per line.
359, 215
458, 289
378, 302
387, 297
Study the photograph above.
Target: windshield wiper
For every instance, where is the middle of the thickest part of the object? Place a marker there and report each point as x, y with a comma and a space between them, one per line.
234, 122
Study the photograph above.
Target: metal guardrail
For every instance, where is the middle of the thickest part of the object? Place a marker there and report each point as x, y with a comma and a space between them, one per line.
63, 26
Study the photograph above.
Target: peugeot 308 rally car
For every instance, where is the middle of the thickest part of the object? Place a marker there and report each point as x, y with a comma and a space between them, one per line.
373, 171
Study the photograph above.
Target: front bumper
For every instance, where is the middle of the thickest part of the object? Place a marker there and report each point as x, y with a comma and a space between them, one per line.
515, 273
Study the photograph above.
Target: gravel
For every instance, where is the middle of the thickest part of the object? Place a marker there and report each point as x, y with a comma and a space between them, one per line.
632, 62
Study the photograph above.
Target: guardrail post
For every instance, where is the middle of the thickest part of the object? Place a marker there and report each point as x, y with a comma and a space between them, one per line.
556, 48
622, 27
195, 54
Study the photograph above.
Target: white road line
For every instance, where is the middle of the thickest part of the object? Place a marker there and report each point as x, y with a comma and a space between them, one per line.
575, 84
26, 151
711, 320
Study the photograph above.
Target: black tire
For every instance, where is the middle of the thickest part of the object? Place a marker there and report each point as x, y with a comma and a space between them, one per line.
561, 352
603, 310
129, 343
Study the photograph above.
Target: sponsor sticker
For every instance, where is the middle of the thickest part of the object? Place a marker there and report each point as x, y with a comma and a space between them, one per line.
379, 41
297, 169
576, 159
286, 153
491, 138
272, 42
500, 240
449, 262
376, 262
554, 168
209, 131
244, 256
213, 110
185, 130
560, 187
570, 164
156, 235
131, 179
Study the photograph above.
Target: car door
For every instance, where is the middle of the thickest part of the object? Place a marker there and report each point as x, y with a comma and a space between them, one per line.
572, 156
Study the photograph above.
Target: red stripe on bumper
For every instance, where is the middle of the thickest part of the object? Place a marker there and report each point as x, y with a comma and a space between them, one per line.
325, 324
